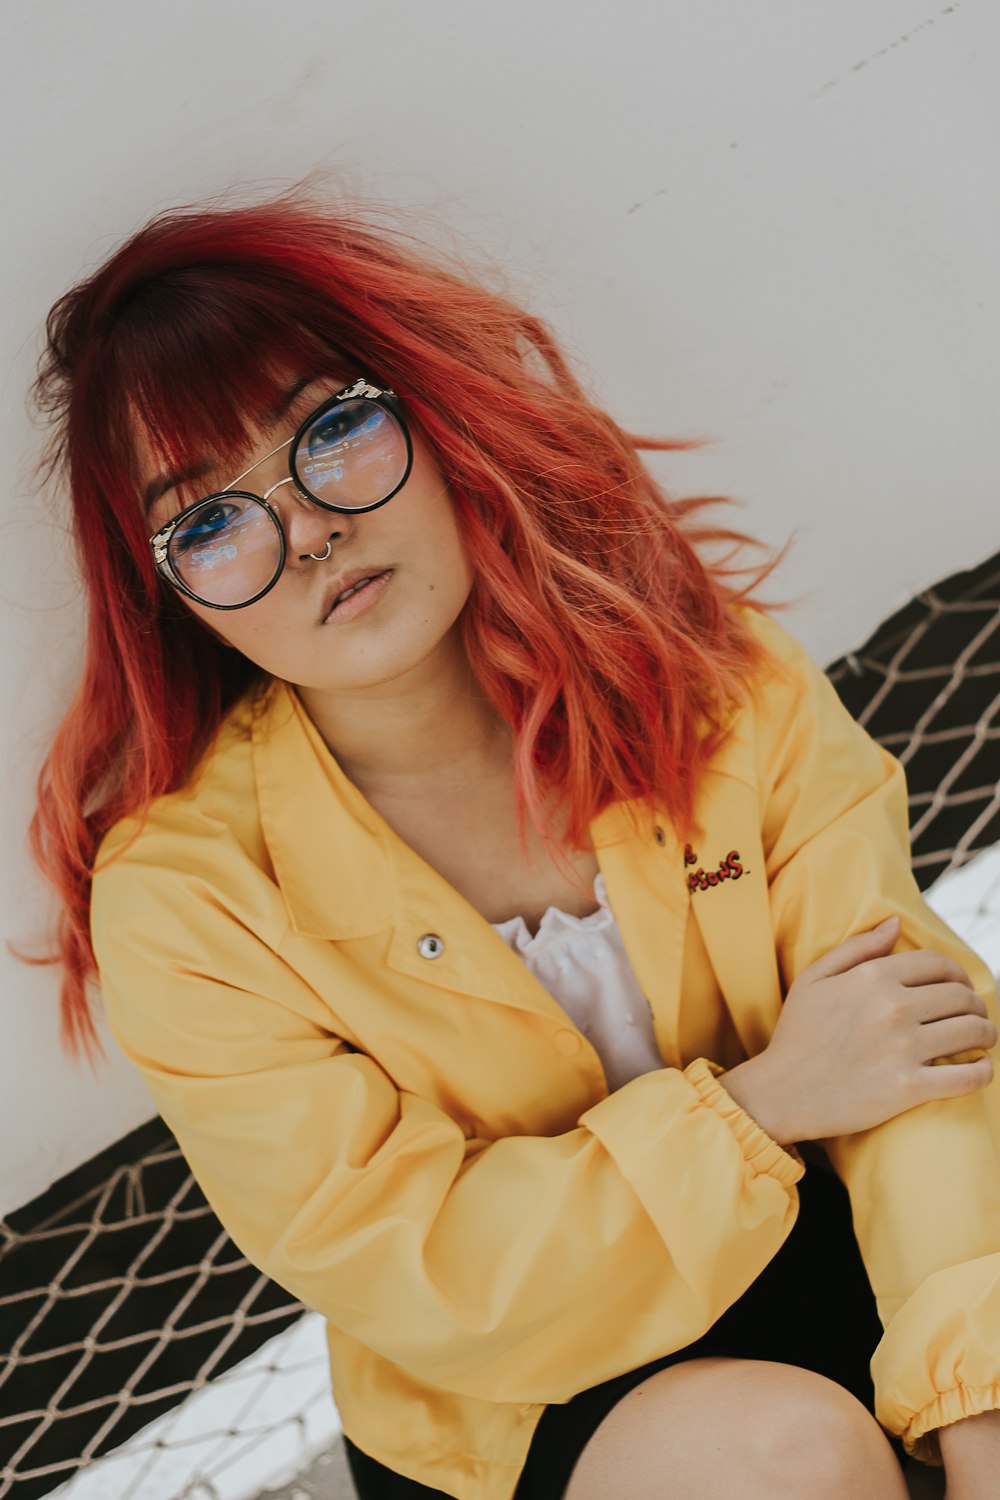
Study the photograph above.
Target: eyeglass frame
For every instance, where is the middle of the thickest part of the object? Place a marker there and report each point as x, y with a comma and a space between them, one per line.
160, 540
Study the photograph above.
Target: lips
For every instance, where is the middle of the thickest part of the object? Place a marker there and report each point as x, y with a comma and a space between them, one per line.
343, 586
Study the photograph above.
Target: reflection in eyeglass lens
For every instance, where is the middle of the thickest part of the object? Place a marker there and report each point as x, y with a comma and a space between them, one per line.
352, 456
226, 552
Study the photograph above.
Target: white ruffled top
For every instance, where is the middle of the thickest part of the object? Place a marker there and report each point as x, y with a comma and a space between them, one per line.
582, 963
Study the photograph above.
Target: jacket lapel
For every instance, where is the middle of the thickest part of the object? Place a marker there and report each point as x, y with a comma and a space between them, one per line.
732, 910
345, 873
643, 867
327, 844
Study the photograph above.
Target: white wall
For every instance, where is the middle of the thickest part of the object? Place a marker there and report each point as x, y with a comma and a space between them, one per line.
772, 222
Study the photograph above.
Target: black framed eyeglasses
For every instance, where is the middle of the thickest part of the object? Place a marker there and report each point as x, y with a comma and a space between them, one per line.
350, 455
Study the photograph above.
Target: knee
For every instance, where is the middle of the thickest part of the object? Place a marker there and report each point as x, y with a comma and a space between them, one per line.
718, 1427
803, 1434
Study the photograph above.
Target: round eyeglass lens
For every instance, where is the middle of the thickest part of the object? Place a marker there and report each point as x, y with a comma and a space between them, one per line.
352, 456
228, 550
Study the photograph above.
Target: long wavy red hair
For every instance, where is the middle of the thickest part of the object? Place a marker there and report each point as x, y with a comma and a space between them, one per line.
594, 626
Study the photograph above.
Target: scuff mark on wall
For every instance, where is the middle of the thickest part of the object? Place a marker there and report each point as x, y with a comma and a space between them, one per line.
907, 36
643, 201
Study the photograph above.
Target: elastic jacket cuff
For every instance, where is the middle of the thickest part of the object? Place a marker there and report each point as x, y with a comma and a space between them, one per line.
760, 1151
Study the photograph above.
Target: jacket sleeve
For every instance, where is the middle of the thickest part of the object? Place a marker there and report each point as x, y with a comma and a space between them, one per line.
521, 1269
924, 1186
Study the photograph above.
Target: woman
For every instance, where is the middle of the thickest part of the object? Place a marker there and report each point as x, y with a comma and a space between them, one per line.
448, 835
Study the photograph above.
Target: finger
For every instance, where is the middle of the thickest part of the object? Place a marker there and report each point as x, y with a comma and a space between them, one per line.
934, 1002
855, 950
952, 1080
924, 966
957, 1034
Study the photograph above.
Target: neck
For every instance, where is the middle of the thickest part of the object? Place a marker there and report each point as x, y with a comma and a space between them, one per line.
433, 724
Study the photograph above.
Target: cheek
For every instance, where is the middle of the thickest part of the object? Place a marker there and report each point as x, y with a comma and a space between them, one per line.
243, 630
214, 622
222, 636
452, 576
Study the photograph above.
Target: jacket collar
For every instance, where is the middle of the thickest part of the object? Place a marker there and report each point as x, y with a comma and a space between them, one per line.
333, 856
329, 853
345, 873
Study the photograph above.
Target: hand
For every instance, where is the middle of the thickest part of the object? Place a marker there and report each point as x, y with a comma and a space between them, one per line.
856, 1038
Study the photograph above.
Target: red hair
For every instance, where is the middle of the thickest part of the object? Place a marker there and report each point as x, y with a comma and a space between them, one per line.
594, 627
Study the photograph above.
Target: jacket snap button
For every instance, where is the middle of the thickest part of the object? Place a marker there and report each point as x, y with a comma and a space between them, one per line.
430, 945
660, 836
567, 1042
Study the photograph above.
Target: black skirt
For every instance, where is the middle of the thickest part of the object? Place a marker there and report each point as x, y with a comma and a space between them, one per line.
811, 1306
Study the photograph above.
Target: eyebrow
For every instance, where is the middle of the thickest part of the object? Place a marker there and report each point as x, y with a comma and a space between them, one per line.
164, 482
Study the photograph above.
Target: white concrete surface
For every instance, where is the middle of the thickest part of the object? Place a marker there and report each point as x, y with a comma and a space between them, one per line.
265, 1422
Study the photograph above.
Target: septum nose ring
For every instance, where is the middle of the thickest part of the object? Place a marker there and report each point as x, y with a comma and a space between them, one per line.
323, 556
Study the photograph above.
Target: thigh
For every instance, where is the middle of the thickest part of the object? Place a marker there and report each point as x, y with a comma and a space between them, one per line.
712, 1428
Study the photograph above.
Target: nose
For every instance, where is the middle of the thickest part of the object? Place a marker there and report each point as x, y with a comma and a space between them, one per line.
307, 526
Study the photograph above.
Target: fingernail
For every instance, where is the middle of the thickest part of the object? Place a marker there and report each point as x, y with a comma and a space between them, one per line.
883, 925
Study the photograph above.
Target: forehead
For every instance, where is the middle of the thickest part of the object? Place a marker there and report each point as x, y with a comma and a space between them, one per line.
164, 471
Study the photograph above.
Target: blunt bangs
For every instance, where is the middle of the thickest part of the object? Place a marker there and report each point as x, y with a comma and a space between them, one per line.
196, 359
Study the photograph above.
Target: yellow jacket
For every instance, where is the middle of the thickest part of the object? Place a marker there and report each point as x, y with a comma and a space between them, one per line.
424, 1148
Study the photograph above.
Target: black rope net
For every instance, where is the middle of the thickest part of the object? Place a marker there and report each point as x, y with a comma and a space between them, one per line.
122, 1297
116, 1307
927, 687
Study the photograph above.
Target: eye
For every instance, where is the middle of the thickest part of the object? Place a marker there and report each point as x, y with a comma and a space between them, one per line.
332, 428
206, 526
